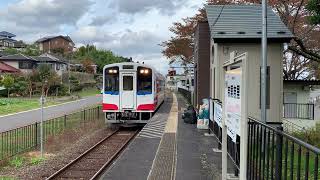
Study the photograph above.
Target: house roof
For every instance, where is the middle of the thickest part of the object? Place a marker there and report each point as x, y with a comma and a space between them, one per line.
7, 68
244, 21
46, 57
302, 81
47, 38
7, 34
16, 57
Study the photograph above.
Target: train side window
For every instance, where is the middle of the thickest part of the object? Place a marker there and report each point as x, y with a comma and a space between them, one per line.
127, 83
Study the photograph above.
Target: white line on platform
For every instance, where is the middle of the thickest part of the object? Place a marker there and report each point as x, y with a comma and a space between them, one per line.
40, 108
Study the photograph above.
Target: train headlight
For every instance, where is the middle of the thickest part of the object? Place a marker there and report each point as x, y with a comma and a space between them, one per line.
115, 71
144, 71
110, 71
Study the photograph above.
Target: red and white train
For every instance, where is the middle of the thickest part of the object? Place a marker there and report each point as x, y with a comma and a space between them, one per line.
132, 92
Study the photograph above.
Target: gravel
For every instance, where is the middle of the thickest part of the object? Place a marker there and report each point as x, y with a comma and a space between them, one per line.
56, 159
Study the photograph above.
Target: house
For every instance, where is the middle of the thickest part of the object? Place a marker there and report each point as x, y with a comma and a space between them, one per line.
236, 30
19, 61
53, 44
298, 110
201, 61
58, 64
7, 41
5, 68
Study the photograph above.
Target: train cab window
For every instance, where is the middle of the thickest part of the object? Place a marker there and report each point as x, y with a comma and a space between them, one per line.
144, 81
127, 83
111, 84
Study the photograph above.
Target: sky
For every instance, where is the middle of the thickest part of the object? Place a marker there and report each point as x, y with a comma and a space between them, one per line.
130, 28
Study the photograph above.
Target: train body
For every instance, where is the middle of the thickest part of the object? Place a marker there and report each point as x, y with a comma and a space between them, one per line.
132, 92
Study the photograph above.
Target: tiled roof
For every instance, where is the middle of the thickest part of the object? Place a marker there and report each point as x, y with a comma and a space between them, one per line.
243, 21
17, 57
46, 57
7, 34
7, 68
52, 37
303, 81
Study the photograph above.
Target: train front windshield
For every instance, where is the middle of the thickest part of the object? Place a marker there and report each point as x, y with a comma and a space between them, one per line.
111, 84
144, 81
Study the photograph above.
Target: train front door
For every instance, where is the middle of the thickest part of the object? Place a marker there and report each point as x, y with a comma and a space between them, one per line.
128, 89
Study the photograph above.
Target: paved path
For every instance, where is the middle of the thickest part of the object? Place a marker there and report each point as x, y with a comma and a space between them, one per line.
32, 116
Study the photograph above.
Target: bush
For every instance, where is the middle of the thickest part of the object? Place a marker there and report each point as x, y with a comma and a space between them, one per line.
311, 135
62, 90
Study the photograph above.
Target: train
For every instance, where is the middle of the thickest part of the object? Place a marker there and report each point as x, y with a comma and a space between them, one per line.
132, 92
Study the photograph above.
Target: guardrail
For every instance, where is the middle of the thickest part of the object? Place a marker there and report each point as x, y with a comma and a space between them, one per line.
22, 139
274, 154
298, 111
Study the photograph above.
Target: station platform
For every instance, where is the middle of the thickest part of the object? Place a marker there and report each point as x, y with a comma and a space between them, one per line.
167, 149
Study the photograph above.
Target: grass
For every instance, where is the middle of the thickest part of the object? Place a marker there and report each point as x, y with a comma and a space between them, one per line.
14, 105
88, 92
27, 138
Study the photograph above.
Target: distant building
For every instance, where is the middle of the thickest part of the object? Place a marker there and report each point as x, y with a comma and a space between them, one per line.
26, 64
19, 61
297, 108
7, 41
58, 64
53, 44
5, 68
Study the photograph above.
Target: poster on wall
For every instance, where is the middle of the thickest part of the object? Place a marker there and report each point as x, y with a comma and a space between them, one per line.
211, 109
233, 102
217, 113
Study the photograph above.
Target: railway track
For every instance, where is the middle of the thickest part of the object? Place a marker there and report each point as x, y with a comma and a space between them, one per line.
91, 163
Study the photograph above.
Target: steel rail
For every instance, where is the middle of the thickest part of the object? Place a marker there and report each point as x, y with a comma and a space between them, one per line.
81, 156
95, 176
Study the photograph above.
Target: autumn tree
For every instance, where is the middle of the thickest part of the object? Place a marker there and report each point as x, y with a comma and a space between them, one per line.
180, 47
300, 53
88, 66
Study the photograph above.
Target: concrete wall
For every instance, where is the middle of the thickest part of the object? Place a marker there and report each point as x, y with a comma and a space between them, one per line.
303, 95
222, 53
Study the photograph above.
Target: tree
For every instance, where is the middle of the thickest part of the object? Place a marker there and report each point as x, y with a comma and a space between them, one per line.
88, 66
47, 77
313, 7
180, 47
304, 46
99, 57
8, 82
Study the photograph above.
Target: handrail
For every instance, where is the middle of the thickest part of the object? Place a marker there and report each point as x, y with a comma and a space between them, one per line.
294, 139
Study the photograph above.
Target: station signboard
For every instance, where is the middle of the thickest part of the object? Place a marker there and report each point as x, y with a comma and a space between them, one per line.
233, 102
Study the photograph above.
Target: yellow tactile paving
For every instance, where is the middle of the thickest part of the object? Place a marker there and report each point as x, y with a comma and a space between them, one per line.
172, 123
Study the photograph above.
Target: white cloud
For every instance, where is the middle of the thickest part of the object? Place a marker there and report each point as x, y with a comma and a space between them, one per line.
167, 7
37, 16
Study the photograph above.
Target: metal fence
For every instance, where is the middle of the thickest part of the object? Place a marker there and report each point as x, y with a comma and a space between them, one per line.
274, 154
19, 140
298, 111
185, 93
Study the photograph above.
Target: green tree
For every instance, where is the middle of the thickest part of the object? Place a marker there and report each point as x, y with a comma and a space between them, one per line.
313, 7
99, 57
7, 82
48, 77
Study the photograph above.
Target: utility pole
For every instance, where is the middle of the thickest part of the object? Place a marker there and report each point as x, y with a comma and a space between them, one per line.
42, 101
263, 78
